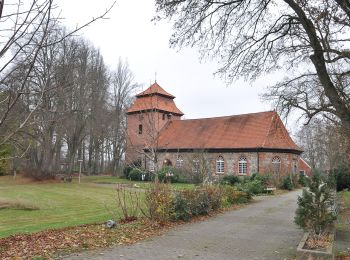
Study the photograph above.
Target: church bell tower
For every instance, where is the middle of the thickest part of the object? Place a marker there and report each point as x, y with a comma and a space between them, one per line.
150, 112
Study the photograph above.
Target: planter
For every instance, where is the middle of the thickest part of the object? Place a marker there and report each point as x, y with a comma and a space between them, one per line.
313, 254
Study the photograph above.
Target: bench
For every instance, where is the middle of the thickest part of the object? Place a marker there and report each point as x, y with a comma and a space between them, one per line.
270, 189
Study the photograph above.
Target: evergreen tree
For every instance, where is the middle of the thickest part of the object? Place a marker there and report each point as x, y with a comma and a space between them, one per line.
313, 212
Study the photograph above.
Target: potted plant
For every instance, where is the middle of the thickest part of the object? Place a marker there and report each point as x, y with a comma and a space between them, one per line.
314, 215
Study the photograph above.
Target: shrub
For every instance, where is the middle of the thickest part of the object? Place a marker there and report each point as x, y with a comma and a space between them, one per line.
159, 202
265, 179
182, 207
233, 196
313, 206
135, 174
230, 180
215, 194
204, 200
200, 204
302, 180
341, 176
287, 183
252, 187
177, 176
134, 165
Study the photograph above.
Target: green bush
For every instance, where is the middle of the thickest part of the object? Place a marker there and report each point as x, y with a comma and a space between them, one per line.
159, 202
128, 168
176, 175
135, 174
302, 180
200, 205
233, 196
182, 207
313, 212
162, 204
229, 180
265, 179
287, 183
215, 194
196, 202
252, 187
341, 176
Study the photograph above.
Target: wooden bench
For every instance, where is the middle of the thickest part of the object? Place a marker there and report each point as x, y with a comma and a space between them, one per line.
270, 189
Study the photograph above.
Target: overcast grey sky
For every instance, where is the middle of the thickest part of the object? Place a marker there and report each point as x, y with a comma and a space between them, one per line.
130, 34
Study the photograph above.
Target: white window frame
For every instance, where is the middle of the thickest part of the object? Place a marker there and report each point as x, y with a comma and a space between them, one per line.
220, 165
151, 166
179, 161
276, 164
242, 166
195, 164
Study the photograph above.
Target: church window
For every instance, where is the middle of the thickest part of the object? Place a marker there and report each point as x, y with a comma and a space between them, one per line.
220, 165
276, 164
140, 129
195, 165
179, 161
242, 166
151, 166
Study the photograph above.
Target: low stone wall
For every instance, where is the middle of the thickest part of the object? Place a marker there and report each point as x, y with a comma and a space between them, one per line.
306, 254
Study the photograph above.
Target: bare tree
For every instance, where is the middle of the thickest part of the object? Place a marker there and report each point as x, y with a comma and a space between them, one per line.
306, 38
324, 143
123, 85
25, 32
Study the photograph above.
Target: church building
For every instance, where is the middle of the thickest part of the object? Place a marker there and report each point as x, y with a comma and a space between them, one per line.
228, 145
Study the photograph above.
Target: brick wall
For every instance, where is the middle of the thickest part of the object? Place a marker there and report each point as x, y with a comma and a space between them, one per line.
231, 161
152, 123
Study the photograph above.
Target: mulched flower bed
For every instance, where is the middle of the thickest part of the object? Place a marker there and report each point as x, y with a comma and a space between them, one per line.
320, 243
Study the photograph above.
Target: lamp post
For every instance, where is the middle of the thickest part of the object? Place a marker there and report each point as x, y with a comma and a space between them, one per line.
80, 161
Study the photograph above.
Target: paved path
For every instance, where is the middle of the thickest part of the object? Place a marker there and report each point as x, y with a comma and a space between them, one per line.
261, 230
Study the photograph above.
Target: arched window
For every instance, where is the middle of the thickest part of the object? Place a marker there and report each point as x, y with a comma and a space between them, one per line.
179, 161
140, 129
195, 168
151, 166
242, 166
220, 165
276, 164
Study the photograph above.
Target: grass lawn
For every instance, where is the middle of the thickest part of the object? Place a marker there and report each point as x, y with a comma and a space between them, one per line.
59, 205
140, 184
343, 227
346, 199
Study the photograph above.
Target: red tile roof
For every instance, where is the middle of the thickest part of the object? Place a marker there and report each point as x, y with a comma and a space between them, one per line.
155, 89
161, 103
257, 130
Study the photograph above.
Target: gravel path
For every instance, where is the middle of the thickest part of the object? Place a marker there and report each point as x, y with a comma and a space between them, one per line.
261, 230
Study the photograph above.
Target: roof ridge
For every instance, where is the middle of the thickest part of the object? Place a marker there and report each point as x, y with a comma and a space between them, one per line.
269, 129
287, 135
155, 89
228, 116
